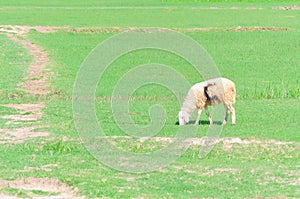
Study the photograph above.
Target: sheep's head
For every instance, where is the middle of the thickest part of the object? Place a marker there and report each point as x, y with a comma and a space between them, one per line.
183, 117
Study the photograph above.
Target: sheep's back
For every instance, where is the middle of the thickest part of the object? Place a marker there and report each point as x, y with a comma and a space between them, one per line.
220, 90
210, 93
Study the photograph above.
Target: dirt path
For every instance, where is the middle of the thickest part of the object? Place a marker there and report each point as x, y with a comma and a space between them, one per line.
35, 83
28, 116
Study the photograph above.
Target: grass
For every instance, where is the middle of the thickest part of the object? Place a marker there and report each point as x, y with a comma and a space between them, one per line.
263, 64
13, 62
240, 172
144, 14
278, 85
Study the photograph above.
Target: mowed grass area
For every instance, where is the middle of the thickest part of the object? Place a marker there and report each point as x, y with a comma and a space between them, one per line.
263, 64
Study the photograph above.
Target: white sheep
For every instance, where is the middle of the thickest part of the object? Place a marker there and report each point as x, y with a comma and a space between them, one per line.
208, 93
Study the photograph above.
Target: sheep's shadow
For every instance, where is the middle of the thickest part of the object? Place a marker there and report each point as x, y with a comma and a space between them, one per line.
203, 122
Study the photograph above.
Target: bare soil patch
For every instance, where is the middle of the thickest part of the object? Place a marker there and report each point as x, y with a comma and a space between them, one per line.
201, 141
284, 180
7, 196
294, 7
24, 108
54, 187
23, 30
36, 80
47, 168
252, 29
35, 83
234, 8
217, 171
207, 171
19, 135
28, 114
149, 30
229, 145
251, 8
16, 118
214, 8
48, 29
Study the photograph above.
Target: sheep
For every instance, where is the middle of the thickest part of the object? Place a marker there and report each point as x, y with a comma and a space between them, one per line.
208, 93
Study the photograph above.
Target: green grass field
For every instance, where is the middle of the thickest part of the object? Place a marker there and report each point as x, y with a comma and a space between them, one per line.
256, 44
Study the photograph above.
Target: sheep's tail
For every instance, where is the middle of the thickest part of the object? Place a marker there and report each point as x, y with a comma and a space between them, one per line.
230, 92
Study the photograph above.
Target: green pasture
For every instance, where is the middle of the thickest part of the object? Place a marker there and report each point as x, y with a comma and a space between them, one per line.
263, 64
12, 60
171, 14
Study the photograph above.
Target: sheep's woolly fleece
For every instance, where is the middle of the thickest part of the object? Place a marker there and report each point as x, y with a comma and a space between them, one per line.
208, 93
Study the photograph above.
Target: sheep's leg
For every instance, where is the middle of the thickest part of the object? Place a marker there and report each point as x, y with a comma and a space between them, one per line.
198, 117
232, 110
229, 109
209, 117
226, 115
